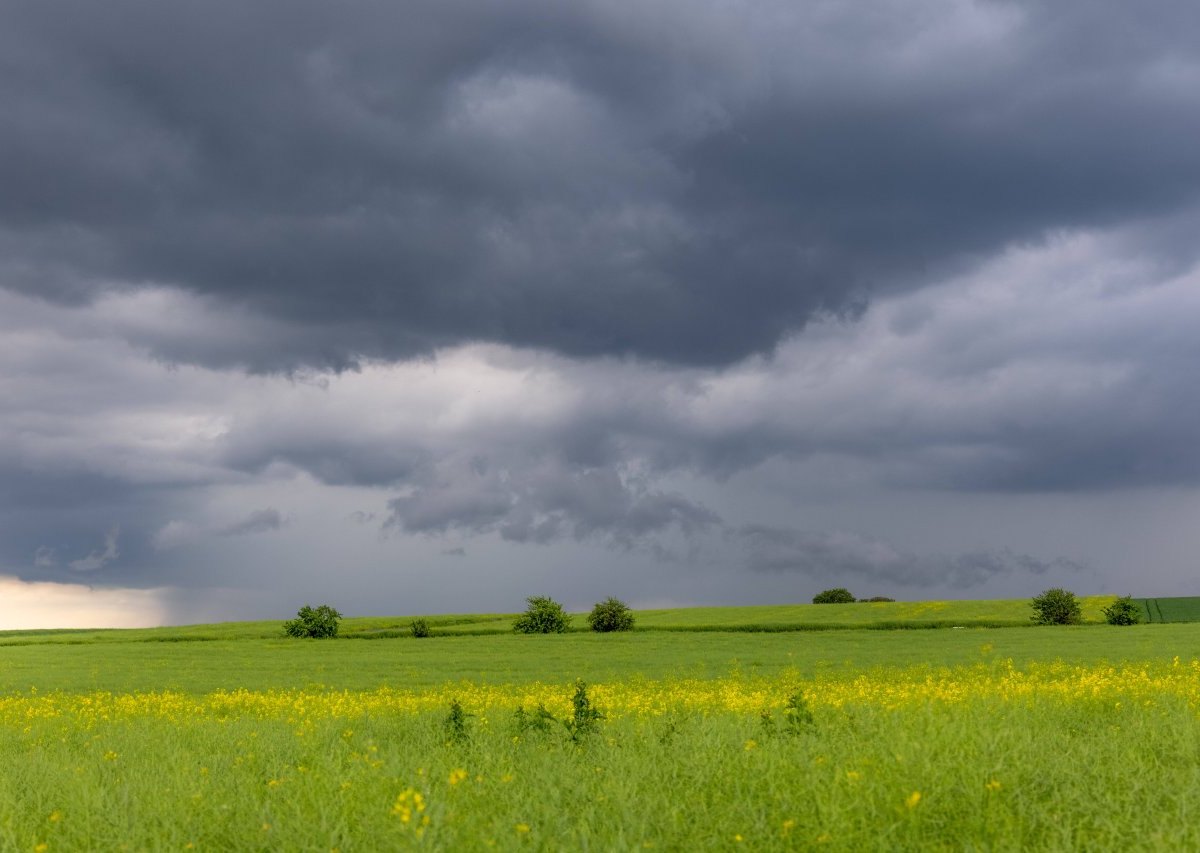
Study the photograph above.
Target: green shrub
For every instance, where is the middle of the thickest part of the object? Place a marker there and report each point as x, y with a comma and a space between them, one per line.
612, 614
539, 721
585, 718
876, 598
542, 616
1123, 612
1056, 607
420, 628
838, 595
797, 715
318, 622
455, 724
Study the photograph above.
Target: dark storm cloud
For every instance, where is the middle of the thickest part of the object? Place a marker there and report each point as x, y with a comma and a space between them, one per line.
670, 180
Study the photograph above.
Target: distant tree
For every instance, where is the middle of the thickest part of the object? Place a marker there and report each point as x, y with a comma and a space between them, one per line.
542, 616
838, 595
612, 614
875, 599
1123, 611
1056, 607
318, 622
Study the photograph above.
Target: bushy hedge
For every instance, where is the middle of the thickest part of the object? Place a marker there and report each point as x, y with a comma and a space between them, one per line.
1056, 606
542, 616
1123, 612
316, 622
838, 595
612, 614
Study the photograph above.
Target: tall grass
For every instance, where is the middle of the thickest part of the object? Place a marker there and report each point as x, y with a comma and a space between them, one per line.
984, 757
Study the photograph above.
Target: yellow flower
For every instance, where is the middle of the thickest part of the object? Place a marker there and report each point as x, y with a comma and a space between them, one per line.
751, 744
457, 776
522, 827
409, 802
993, 786
912, 799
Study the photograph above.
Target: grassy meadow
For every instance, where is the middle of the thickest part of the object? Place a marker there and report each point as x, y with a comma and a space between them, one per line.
727, 736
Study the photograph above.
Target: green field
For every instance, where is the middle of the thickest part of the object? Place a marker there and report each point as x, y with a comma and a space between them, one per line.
230, 737
763, 618
1170, 609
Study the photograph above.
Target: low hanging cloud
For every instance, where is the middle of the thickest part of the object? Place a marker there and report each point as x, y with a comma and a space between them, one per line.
542, 502
840, 555
101, 557
178, 533
259, 521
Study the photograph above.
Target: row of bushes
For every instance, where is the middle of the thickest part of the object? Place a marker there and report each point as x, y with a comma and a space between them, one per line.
1053, 607
546, 616
841, 595
1059, 606
542, 616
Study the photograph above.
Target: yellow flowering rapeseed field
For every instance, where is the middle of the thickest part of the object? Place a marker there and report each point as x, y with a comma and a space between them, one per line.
986, 756
883, 688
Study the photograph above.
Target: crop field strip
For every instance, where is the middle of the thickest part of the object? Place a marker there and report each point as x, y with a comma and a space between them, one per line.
1179, 609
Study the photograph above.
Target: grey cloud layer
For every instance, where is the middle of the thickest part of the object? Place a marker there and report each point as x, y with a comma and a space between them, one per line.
678, 181
1062, 366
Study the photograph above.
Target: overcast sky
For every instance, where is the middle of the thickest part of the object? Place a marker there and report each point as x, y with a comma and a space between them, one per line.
429, 307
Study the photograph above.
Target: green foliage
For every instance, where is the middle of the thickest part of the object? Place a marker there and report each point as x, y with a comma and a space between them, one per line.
612, 614
543, 616
1056, 606
1123, 611
420, 628
540, 720
797, 715
875, 599
838, 595
455, 724
317, 622
585, 718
